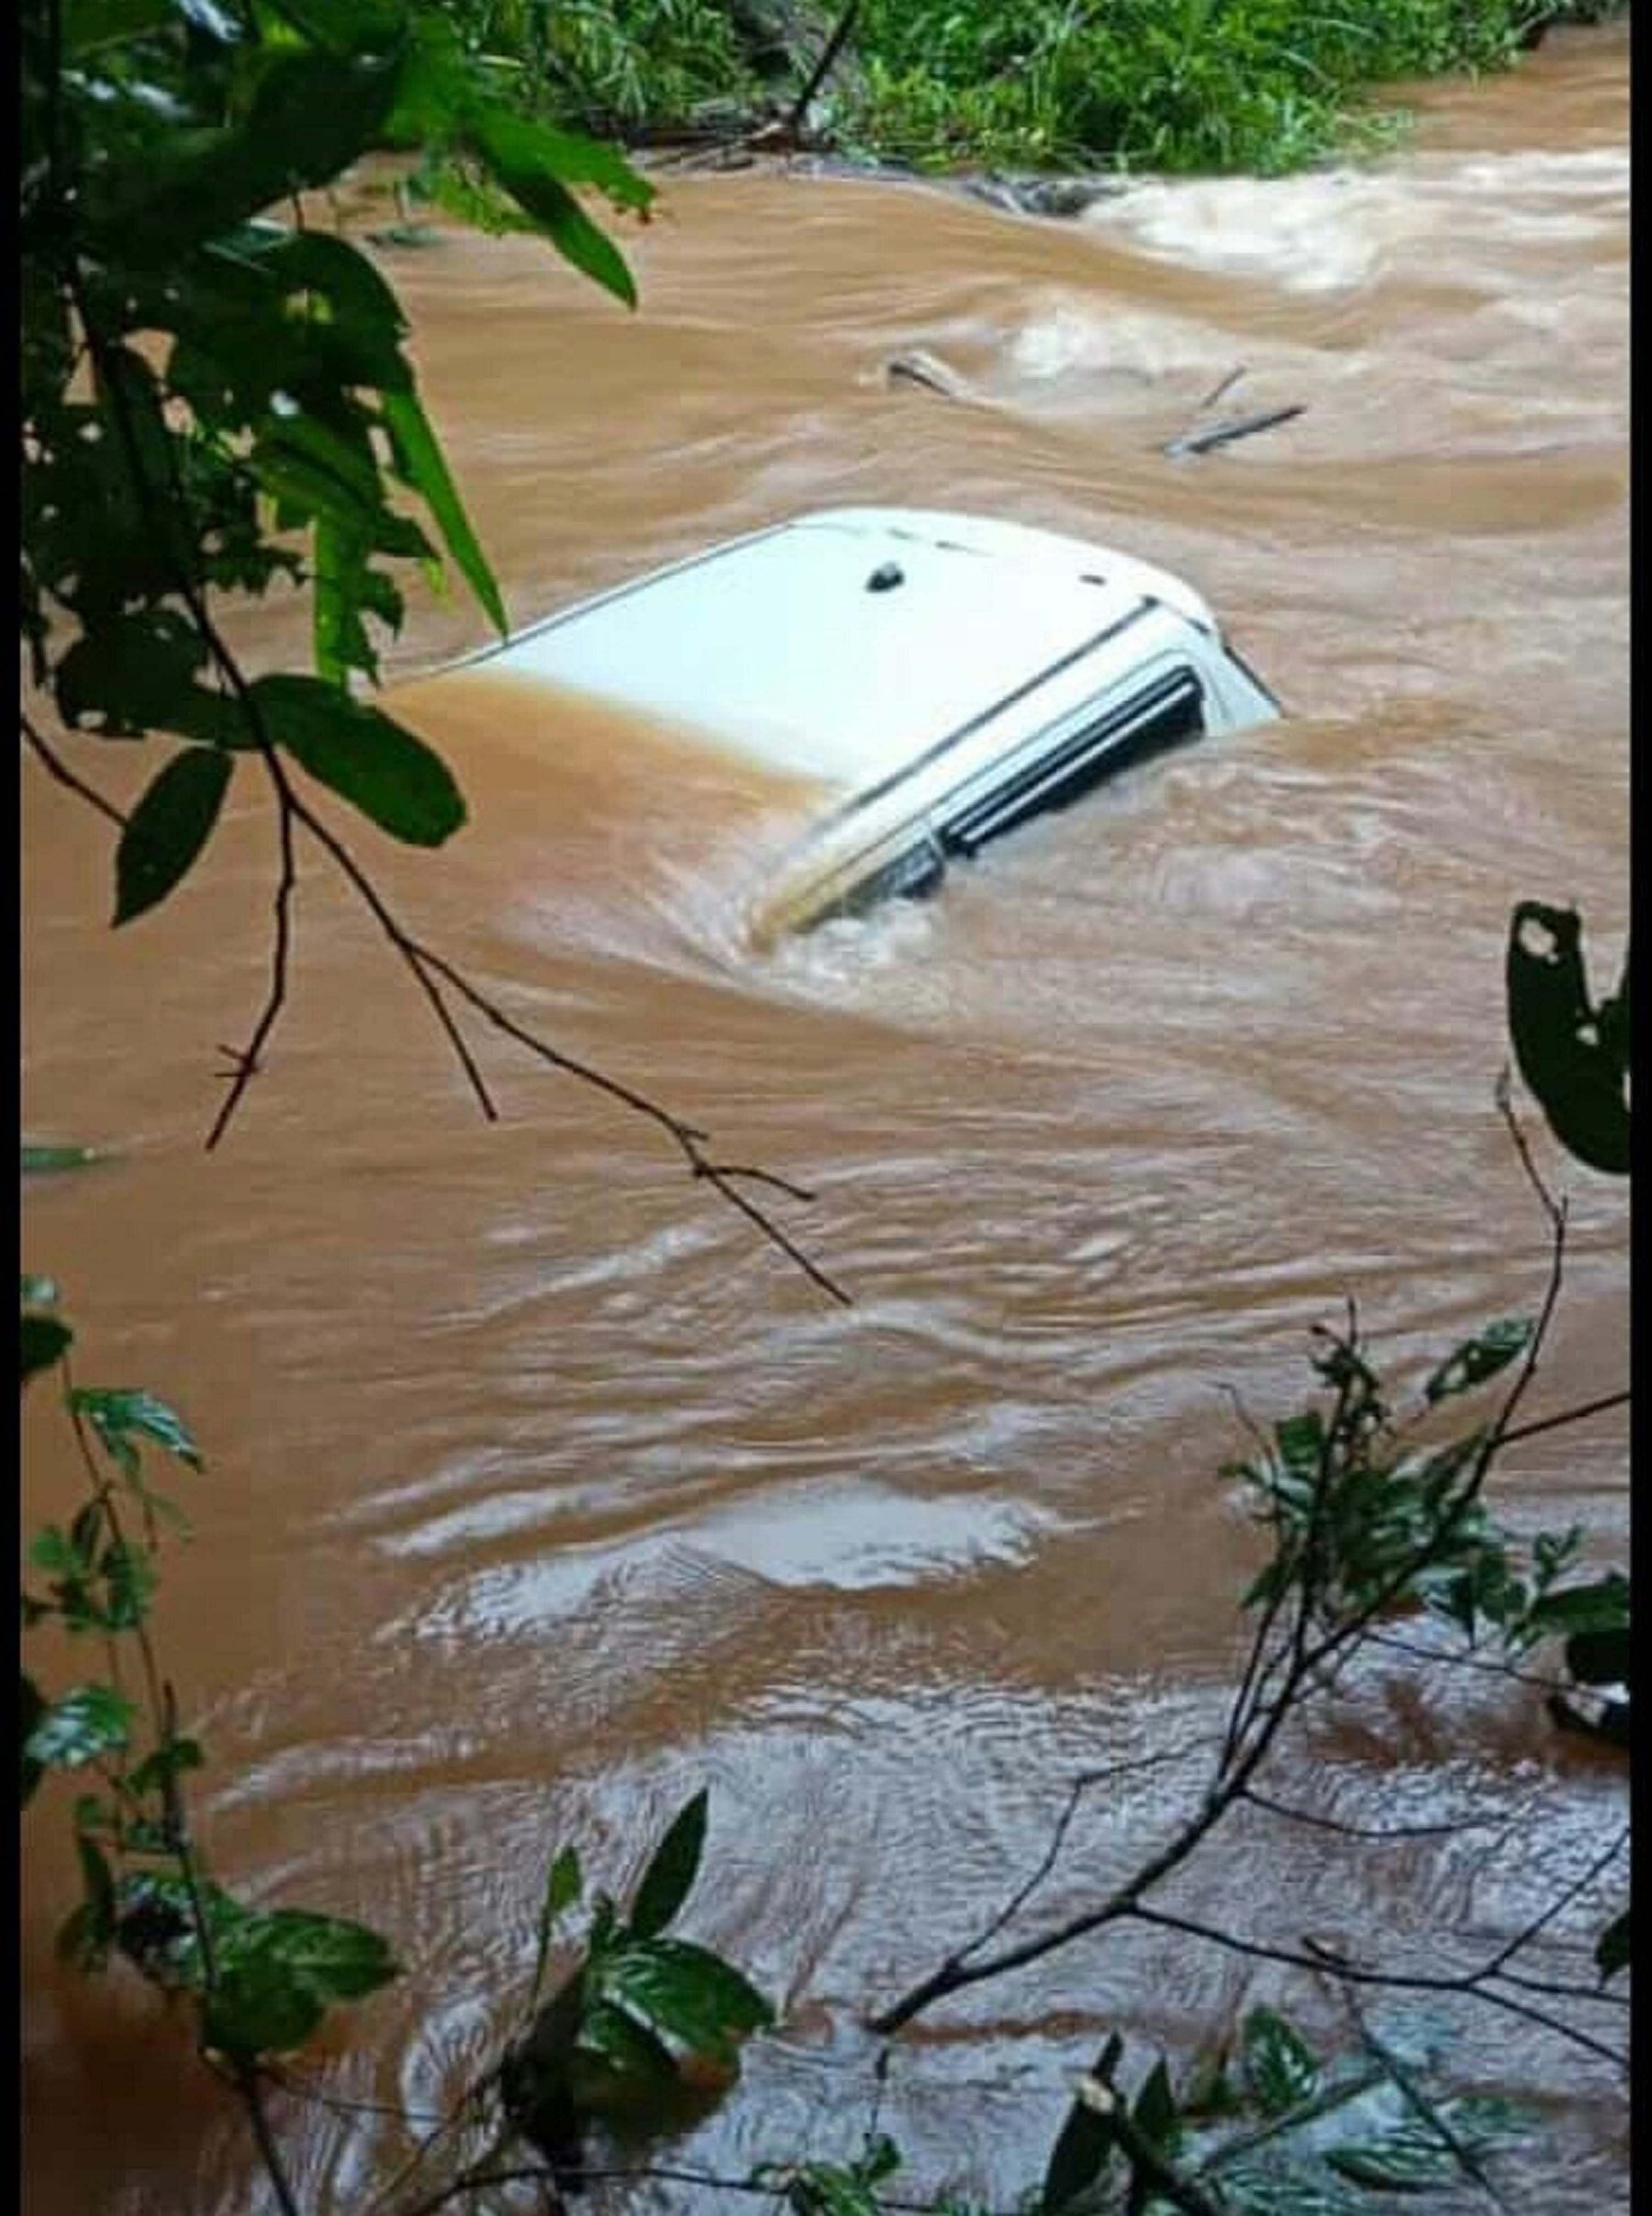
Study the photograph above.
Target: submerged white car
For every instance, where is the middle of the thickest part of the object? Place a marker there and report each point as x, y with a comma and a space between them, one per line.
949, 676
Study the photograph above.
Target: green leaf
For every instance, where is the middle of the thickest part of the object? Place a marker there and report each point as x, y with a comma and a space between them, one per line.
389, 775
1480, 1357
514, 153
420, 464
1281, 2067
45, 1340
1600, 1658
166, 831
91, 1721
311, 115
1406, 2160
130, 1578
1086, 2141
166, 1763
1602, 1605
37, 1292
84, 1937
279, 1969
32, 1707
1573, 1055
574, 158
622, 2048
684, 1993
136, 672
1612, 1950
1155, 2115
119, 1415
670, 1874
827, 2188
90, 24
41, 1159
562, 1890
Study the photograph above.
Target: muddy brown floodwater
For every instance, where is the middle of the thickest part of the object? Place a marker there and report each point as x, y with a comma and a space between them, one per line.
540, 1491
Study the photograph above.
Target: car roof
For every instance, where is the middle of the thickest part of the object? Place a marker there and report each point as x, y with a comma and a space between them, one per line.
782, 646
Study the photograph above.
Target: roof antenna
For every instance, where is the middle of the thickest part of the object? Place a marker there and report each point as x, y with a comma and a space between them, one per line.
885, 577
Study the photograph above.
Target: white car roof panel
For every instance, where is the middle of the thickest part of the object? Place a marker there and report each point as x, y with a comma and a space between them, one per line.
775, 644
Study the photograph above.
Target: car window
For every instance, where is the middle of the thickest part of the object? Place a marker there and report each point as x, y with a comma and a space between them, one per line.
1163, 714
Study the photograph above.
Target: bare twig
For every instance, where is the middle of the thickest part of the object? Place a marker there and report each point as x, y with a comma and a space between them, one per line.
244, 1064
1235, 427
1417, 2101
1562, 1901
1378, 1832
53, 762
1273, 1684
1226, 385
429, 970
1080, 1785
1313, 1956
823, 69
1567, 1416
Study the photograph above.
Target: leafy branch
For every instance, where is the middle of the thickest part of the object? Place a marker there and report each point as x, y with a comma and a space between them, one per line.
1362, 1528
283, 409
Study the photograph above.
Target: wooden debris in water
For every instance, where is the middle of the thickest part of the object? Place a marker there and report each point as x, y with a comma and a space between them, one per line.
918, 367
1232, 427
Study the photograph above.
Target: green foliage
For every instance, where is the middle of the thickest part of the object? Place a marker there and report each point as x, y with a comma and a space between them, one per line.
214, 400
1302, 2134
838, 2189
635, 2011
261, 1978
1265, 85
1367, 1522
610, 65
1480, 1359
1086, 2139
1281, 2073
79, 1726
168, 828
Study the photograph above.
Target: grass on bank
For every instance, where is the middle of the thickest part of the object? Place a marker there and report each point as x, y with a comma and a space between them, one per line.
1264, 86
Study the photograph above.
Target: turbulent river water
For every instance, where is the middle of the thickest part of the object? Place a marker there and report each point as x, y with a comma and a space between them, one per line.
540, 1491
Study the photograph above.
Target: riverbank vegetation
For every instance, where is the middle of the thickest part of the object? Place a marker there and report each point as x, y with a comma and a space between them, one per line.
218, 401
1188, 85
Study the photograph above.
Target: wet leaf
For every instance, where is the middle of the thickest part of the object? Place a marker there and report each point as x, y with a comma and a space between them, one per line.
1600, 1658
31, 1709
120, 1416
91, 1721
1156, 2113
1085, 2141
1281, 2067
389, 775
1480, 1357
166, 830
514, 154
562, 1890
1601, 1605
1573, 1055
1611, 1949
45, 1340
279, 1969
1406, 2160
420, 462
670, 1874
624, 2048
687, 1993
165, 1762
